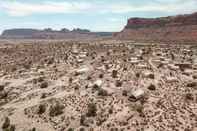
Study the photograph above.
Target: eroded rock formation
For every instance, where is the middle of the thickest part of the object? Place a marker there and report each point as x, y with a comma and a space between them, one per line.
181, 28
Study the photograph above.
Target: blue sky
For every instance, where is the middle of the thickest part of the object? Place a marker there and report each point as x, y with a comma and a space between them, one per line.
96, 15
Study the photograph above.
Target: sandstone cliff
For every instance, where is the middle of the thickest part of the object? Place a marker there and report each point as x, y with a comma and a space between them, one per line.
181, 28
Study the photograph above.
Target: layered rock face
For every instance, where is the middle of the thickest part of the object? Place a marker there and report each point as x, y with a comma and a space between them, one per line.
181, 28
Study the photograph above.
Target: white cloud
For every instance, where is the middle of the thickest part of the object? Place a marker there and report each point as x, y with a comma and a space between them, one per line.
23, 9
115, 20
161, 6
49, 7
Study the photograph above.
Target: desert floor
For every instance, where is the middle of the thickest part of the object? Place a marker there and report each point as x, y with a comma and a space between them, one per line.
97, 86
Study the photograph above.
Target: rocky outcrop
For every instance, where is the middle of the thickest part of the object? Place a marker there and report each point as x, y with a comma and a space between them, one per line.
181, 28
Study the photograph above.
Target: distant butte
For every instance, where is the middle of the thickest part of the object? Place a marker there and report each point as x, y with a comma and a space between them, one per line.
48, 33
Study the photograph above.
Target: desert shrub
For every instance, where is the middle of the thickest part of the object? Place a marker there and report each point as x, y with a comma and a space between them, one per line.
71, 129
27, 66
41, 109
151, 76
12, 128
6, 123
93, 57
138, 108
114, 129
76, 87
33, 129
3, 94
95, 87
50, 61
110, 110
124, 69
124, 93
100, 120
7, 126
43, 95
106, 67
70, 80
44, 85
89, 78
13, 69
56, 110
137, 75
2, 87
92, 109
40, 79
192, 84
102, 92
81, 129
118, 83
82, 119
151, 87
160, 65
189, 96
100, 75
194, 76
114, 74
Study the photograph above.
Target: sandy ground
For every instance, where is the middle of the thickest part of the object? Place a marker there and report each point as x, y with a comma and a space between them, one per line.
97, 86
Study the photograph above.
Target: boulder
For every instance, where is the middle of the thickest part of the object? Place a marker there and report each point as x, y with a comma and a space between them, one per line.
82, 70
98, 83
171, 79
137, 94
